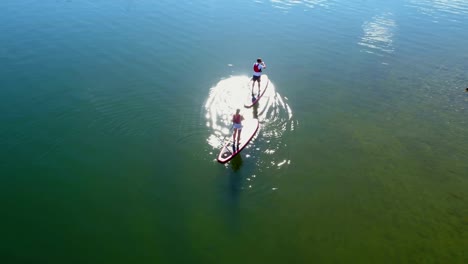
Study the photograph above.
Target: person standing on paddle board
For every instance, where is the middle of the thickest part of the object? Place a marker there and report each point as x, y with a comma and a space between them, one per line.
257, 74
237, 125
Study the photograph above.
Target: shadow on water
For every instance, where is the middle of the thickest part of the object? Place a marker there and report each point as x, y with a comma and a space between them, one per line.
233, 193
255, 111
235, 179
236, 162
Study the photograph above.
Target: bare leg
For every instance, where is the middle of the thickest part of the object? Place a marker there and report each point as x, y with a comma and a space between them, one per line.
253, 84
234, 135
238, 136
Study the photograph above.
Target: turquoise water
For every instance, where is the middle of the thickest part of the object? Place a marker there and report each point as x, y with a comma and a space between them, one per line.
112, 115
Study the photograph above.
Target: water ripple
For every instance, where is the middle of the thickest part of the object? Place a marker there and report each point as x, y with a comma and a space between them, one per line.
288, 4
378, 34
434, 7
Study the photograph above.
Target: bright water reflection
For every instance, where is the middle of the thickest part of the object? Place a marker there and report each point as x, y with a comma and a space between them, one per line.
273, 112
378, 34
288, 4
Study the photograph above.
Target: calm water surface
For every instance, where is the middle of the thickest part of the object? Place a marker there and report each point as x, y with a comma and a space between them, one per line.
112, 114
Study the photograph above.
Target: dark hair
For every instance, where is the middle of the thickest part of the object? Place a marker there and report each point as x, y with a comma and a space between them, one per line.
259, 60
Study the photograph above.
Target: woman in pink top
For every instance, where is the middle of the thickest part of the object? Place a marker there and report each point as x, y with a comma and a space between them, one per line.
237, 125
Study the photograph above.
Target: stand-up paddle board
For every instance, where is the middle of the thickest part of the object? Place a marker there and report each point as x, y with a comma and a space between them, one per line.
229, 151
252, 100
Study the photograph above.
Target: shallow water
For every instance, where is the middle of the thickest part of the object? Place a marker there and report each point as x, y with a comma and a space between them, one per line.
109, 109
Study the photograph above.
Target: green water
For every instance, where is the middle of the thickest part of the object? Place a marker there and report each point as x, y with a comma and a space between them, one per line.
112, 112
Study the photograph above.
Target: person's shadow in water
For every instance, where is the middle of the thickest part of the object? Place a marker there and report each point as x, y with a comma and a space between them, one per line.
234, 189
236, 162
235, 179
235, 183
255, 111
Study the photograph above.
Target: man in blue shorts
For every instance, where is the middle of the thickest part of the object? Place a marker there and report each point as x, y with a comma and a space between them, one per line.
257, 67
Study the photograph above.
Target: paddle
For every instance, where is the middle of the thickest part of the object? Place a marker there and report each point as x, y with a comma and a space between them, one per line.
221, 141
